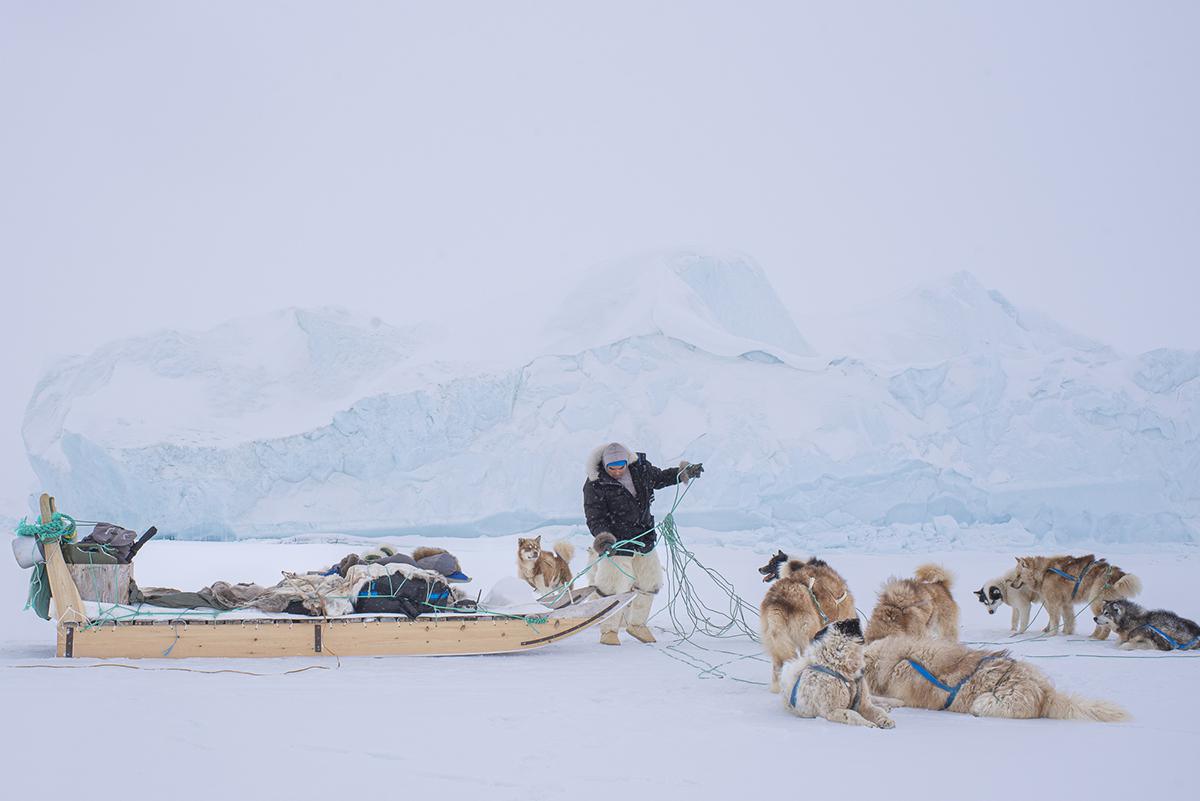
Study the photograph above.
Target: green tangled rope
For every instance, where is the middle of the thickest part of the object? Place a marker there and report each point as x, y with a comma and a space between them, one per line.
60, 527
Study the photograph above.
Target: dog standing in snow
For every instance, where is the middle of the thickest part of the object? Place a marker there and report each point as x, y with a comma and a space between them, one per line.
935, 674
806, 597
1011, 590
826, 681
920, 606
544, 570
1066, 581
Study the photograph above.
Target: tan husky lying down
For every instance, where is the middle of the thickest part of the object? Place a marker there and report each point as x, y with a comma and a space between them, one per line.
935, 674
827, 680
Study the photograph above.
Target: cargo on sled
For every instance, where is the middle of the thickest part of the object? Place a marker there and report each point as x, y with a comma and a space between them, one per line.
109, 623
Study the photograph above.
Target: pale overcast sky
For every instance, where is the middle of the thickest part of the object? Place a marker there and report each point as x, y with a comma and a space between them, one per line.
175, 164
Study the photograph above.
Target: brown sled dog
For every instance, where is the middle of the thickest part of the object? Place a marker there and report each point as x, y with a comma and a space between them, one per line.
544, 570
935, 674
807, 597
919, 606
1066, 581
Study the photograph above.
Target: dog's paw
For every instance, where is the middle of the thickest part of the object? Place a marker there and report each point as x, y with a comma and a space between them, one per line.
1128, 646
885, 703
886, 723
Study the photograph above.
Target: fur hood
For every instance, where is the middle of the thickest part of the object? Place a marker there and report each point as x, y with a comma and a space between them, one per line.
593, 462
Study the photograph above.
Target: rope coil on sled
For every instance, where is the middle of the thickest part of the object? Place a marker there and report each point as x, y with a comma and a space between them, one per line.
60, 527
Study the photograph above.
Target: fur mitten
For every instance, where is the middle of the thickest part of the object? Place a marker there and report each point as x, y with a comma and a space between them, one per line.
603, 542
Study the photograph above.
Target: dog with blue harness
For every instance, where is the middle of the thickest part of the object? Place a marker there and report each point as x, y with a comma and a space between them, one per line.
948, 676
1149, 628
1064, 582
826, 680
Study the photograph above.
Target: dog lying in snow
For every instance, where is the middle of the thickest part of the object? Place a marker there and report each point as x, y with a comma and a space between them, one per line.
806, 597
1011, 590
1148, 628
918, 606
827, 679
935, 674
1066, 581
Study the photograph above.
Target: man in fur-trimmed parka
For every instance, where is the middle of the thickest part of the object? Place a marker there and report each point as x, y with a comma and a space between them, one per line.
616, 500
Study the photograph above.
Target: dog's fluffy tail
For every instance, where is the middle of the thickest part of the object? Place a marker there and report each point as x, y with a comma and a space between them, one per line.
565, 550
1064, 706
1127, 586
934, 574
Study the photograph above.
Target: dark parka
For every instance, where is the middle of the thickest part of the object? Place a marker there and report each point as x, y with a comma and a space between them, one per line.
609, 507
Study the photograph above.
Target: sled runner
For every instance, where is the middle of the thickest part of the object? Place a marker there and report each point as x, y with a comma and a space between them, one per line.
106, 631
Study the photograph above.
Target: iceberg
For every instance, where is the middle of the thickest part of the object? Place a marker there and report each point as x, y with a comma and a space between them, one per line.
948, 409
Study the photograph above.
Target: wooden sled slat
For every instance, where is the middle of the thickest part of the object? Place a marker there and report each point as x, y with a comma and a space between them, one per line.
433, 636
68, 606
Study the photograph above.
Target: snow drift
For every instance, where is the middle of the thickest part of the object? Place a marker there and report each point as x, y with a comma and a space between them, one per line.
950, 407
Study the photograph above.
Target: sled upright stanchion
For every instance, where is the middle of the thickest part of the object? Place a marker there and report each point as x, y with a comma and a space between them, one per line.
68, 606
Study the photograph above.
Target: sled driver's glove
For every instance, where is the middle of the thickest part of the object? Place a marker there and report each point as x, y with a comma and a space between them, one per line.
693, 470
603, 542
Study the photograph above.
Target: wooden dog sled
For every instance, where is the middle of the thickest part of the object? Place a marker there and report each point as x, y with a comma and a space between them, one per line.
180, 635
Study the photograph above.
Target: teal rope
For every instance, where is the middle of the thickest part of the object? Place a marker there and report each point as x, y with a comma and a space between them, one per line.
60, 527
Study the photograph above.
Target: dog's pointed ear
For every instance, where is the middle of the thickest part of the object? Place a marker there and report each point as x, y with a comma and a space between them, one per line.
982, 595
538, 539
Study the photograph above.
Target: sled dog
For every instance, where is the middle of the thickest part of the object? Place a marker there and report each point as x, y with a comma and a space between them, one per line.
918, 606
544, 570
1149, 628
806, 597
1011, 590
826, 680
935, 674
1064, 582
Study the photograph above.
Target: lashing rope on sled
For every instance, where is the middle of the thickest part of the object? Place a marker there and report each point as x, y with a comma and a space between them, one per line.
116, 613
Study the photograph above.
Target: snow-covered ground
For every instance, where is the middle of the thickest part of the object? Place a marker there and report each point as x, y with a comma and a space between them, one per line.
574, 720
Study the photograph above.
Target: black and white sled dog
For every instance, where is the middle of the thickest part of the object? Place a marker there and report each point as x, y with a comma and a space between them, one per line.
826, 680
1012, 590
1149, 628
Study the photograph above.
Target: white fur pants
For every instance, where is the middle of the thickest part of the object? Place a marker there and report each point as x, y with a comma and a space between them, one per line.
642, 573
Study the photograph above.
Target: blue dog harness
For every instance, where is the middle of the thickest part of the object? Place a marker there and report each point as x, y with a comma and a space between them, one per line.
941, 685
1175, 646
1069, 577
855, 687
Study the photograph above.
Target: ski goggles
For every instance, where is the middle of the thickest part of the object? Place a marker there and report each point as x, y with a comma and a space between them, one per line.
621, 463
